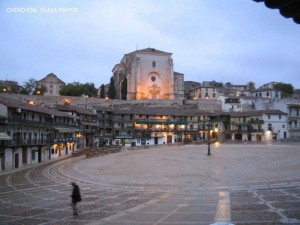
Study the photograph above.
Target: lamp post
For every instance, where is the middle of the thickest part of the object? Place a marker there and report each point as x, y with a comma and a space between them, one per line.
208, 142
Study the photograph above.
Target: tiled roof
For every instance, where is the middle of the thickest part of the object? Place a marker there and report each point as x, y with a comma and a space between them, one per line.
147, 50
171, 111
10, 103
52, 75
103, 108
75, 108
265, 89
257, 113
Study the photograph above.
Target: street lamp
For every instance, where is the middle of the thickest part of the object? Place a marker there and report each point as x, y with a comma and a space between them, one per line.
208, 142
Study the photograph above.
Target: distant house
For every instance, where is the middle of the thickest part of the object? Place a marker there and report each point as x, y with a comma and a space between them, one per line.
207, 92
267, 93
51, 83
9, 86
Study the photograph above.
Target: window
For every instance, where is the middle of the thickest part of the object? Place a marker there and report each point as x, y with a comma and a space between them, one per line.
33, 155
270, 127
153, 78
269, 116
280, 117
153, 64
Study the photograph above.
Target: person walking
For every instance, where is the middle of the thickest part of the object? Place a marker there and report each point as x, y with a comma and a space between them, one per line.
76, 197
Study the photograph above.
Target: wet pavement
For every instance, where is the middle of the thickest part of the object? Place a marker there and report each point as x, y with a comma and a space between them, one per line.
170, 185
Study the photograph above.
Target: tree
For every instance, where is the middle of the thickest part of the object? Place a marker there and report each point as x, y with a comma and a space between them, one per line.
29, 86
102, 91
78, 89
286, 89
40, 90
124, 89
89, 89
112, 89
251, 86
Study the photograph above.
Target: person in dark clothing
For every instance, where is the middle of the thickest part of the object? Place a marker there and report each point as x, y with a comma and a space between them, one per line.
76, 197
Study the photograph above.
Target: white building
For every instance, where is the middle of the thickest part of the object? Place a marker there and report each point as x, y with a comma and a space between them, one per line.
260, 125
269, 93
204, 92
36, 134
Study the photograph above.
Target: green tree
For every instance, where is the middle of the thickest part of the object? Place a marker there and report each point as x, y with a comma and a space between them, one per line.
78, 89
102, 91
40, 90
287, 90
23, 91
112, 89
29, 86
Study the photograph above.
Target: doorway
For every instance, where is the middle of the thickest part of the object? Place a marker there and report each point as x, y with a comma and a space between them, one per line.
169, 139
156, 140
16, 160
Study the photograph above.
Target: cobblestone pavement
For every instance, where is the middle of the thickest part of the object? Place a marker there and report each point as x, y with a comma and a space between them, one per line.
177, 185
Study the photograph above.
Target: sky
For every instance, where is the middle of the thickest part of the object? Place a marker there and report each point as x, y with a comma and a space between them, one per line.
235, 41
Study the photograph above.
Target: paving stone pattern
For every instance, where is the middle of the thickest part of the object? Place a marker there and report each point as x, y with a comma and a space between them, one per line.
113, 194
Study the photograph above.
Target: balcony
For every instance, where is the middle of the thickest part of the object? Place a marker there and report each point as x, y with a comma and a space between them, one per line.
20, 121
21, 142
245, 123
161, 121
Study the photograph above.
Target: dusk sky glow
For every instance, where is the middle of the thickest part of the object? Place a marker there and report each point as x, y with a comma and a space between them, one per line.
233, 41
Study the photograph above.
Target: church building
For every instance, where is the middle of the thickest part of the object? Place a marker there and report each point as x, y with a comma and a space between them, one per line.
147, 74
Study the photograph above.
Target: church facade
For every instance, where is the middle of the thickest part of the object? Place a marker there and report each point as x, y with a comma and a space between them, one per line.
147, 74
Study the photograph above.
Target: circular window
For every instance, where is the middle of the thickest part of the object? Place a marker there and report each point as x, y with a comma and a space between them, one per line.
153, 78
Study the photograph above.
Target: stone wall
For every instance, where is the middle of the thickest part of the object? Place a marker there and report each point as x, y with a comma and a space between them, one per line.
203, 104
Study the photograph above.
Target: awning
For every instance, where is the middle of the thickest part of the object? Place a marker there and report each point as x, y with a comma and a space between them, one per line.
89, 124
5, 137
66, 129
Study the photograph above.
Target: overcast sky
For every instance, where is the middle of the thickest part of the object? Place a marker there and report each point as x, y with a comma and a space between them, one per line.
233, 41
